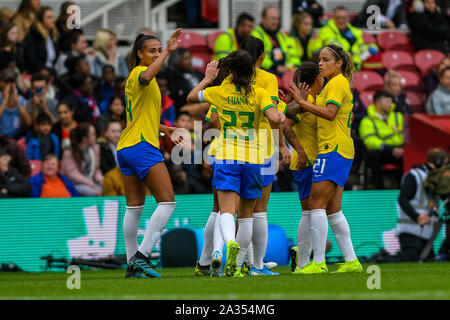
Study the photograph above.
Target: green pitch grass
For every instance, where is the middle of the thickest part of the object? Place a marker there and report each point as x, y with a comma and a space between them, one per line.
398, 281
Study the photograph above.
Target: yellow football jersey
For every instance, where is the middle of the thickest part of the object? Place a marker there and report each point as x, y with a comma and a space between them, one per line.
240, 116
334, 136
306, 131
143, 109
212, 145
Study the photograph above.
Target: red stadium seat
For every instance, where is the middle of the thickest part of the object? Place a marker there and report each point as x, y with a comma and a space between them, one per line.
201, 56
367, 98
368, 38
212, 37
191, 39
35, 167
210, 10
398, 60
416, 101
410, 80
394, 40
286, 79
390, 167
426, 59
367, 80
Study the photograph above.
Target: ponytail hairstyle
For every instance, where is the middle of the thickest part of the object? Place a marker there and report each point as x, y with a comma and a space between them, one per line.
76, 137
240, 65
348, 68
254, 47
138, 43
307, 72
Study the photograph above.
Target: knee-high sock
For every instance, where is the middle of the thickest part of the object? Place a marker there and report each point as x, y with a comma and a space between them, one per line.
130, 229
304, 239
244, 238
319, 232
156, 226
341, 231
259, 239
208, 235
249, 257
227, 227
217, 238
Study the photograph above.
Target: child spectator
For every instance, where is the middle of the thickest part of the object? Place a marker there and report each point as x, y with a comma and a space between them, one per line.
49, 183
42, 141
14, 117
12, 183
115, 111
81, 163
63, 127
105, 46
439, 100
108, 154
41, 48
25, 16
19, 159
39, 102
105, 89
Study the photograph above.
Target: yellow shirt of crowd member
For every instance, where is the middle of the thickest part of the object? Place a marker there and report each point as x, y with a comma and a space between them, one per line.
306, 131
335, 136
240, 117
143, 109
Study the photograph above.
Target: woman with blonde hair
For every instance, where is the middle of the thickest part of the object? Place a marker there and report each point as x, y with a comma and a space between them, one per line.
105, 47
301, 31
25, 16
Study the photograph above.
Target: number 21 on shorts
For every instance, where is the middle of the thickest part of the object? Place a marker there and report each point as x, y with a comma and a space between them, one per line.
319, 166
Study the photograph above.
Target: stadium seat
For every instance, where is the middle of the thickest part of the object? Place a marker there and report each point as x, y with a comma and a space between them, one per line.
416, 101
368, 38
394, 40
286, 79
191, 39
426, 59
366, 98
212, 37
411, 81
398, 60
367, 80
201, 56
35, 167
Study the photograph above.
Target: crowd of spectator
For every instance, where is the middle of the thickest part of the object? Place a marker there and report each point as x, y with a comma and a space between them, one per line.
62, 104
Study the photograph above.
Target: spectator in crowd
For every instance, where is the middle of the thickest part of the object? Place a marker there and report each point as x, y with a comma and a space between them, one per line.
19, 159
431, 80
65, 33
9, 38
6, 15
105, 46
113, 184
281, 51
231, 40
312, 7
182, 76
115, 112
40, 44
168, 112
12, 183
49, 183
74, 64
439, 100
66, 123
200, 178
42, 141
301, 32
429, 28
14, 117
393, 86
25, 16
339, 31
81, 98
39, 102
81, 163
105, 88
392, 14
77, 46
108, 156
382, 133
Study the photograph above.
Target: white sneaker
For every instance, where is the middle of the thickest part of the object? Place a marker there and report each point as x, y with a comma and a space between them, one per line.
270, 265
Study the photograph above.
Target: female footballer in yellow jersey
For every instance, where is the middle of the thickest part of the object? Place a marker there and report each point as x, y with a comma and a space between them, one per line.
239, 151
301, 132
138, 152
333, 109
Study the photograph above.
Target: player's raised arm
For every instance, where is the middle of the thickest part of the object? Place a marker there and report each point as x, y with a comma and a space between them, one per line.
211, 73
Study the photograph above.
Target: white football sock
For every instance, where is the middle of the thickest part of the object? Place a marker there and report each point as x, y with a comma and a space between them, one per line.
227, 227
341, 231
319, 232
205, 258
244, 238
130, 229
156, 226
304, 239
217, 238
259, 239
249, 255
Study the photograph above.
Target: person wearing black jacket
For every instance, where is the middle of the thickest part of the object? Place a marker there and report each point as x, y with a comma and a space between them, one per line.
19, 159
430, 29
12, 183
392, 14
